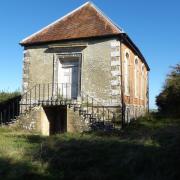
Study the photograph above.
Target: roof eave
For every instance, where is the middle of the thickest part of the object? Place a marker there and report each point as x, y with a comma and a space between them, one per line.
136, 49
65, 40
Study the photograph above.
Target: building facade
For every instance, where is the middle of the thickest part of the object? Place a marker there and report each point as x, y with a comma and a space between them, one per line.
86, 54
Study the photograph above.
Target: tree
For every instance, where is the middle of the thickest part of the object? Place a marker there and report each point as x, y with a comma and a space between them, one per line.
168, 101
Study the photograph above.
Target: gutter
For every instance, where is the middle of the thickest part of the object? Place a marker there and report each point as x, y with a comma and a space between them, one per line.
128, 40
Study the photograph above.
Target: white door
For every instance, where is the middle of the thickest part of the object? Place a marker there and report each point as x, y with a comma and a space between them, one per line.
74, 82
68, 80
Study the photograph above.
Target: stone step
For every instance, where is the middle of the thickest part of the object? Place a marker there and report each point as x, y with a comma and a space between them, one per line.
81, 112
87, 114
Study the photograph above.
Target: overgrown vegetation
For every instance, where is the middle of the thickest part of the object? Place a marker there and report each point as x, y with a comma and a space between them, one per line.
168, 101
4, 95
149, 149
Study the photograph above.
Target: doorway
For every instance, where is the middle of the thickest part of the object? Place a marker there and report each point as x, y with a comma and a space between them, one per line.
57, 117
69, 77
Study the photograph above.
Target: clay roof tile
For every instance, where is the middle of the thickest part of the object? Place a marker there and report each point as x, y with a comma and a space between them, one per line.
85, 21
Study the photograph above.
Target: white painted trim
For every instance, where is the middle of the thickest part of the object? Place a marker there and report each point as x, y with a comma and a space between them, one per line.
79, 56
115, 73
102, 14
115, 44
127, 51
135, 76
115, 53
126, 73
115, 92
142, 65
142, 81
136, 57
115, 63
115, 82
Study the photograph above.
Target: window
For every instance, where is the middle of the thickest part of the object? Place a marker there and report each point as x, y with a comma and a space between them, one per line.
126, 73
136, 77
142, 81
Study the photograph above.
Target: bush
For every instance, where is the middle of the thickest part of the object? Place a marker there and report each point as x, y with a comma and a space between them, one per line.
4, 96
168, 101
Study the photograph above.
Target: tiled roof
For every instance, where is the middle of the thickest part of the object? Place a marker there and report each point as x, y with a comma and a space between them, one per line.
86, 21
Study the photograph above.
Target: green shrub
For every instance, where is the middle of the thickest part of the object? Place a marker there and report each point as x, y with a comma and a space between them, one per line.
168, 101
4, 96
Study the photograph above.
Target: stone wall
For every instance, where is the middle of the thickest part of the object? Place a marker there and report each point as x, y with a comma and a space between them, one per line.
30, 121
100, 77
38, 121
100, 71
97, 72
76, 123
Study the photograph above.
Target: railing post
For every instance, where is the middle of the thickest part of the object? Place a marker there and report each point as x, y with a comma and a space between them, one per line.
92, 108
103, 114
30, 98
1, 118
39, 93
4, 116
62, 92
18, 107
87, 104
66, 90
82, 97
113, 119
57, 91
26, 99
9, 111
48, 92
108, 114
52, 91
43, 92
35, 95
13, 116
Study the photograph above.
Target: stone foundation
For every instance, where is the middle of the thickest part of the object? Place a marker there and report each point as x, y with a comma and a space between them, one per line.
41, 121
76, 123
133, 112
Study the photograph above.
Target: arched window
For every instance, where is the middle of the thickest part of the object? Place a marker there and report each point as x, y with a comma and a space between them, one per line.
126, 73
136, 76
142, 81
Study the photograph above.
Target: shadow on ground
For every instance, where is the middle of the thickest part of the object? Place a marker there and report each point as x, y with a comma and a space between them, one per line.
141, 152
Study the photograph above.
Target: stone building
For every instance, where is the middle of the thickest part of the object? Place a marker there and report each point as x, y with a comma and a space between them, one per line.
83, 61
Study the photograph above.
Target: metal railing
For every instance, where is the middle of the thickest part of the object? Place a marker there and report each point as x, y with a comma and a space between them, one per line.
64, 94
50, 94
100, 115
9, 110
47, 94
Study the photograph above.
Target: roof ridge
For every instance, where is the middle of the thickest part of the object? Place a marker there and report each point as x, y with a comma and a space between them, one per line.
107, 17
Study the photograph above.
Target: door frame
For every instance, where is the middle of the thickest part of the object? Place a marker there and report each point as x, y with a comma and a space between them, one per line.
59, 56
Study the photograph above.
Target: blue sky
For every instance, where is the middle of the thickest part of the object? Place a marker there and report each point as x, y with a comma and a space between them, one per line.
153, 25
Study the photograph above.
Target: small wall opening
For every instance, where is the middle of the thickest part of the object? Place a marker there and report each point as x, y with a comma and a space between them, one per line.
57, 117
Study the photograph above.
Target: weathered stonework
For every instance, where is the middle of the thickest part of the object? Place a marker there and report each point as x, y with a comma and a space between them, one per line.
76, 123
100, 70
115, 72
37, 121
96, 68
26, 65
30, 121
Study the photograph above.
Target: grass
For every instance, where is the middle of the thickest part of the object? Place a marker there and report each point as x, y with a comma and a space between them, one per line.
148, 149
